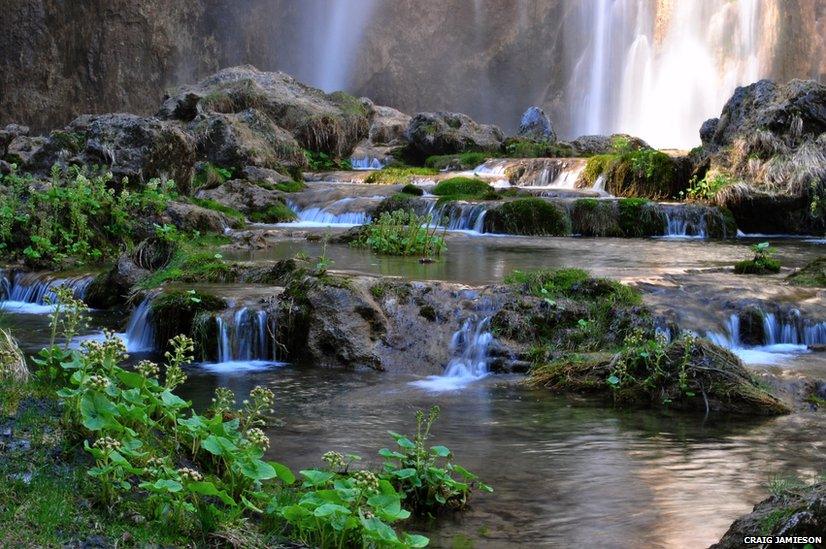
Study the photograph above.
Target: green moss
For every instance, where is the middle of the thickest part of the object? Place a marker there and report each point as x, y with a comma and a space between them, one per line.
463, 188
394, 202
528, 216
463, 161
349, 104
635, 173
813, 274
173, 313
277, 213
574, 284
592, 217
640, 218
762, 266
392, 176
596, 166
71, 141
195, 260
218, 207
290, 186
412, 190
209, 176
773, 520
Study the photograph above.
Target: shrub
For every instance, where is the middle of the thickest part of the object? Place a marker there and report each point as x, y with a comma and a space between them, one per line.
402, 233
277, 213
762, 262
463, 188
74, 217
708, 187
412, 190
528, 216
393, 176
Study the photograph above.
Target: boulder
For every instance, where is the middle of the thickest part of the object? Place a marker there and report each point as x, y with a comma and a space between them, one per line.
8, 134
388, 127
112, 287
330, 123
247, 138
536, 125
243, 196
189, 217
257, 174
587, 145
768, 212
437, 133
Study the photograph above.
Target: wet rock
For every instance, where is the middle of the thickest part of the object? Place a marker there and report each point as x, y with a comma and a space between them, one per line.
796, 512
330, 123
536, 125
812, 274
768, 212
437, 133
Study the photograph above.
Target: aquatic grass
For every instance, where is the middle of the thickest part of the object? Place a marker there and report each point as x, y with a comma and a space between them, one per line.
402, 233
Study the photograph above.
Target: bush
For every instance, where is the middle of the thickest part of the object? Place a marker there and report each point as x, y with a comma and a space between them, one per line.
393, 176
277, 213
412, 190
708, 187
528, 216
463, 188
762, 262
74, 217
402, 233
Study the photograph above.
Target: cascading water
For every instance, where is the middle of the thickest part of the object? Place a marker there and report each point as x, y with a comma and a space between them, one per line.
781, 337
245, 341
685, 221
661, 54
469, 347
331, 214
366, 163
460, 216
339, 32
29, 292
140, 334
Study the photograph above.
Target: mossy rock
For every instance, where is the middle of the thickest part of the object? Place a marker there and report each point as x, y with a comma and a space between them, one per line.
394, 202
467, 188
813, 274
757, 266
396, 175
688, 374
173, 313
276, 213
528, 216
592, 217
463, 161
644, 172
640, 218
412, 190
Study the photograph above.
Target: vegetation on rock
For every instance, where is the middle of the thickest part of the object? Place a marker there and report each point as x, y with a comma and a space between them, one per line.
463, 161
762, 262
464, 188
639, 218
393, 176
528, 216
402, 233
276, 213
813, 274
642, 172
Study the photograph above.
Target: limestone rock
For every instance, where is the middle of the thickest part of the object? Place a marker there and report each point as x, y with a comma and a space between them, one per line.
432, 133
536, 125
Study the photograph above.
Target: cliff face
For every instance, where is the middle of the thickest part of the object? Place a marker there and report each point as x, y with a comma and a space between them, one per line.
488, 58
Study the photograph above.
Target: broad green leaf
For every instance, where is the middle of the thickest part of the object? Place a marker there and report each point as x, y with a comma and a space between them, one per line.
315, 477
283, 472
206, 488
440, 451
404, 473
255, 469
218, 446
130, 379
330, 508
171, 400
415, 541
97, 412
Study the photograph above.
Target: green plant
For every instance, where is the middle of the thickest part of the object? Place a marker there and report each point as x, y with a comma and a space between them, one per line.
638, 218
396, 175
289, 186
761, 263
214, 205
276, 213
322, 162
462, 161
208, 176
708, 187
412, 190
402, 233
463, 188
528, 216
12, 362
426, 475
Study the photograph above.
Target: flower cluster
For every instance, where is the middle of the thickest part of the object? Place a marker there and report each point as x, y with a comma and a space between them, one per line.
335, 460
111, 350
182, 349
147, 368
98, 382
257, 437
190, 474
154, 466
260, 402
223, 401
366, 481
107, 444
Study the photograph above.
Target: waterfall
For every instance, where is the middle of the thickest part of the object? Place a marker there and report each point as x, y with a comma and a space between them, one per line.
28, 292
244, 338
366, 163
140, 334
331, 214
655, 55
685, 221
340, 31
460, 216
781, 337
469, 347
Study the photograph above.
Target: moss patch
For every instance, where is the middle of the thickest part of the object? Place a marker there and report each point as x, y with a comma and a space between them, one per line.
813, 274
762, 266
412, 190
194, 260
214, 205
463, 188
592, 217
393, 176
463, 161
528, 216
640, 218
173, 313
277, 213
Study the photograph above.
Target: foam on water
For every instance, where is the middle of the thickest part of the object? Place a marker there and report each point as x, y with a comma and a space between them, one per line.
469, 345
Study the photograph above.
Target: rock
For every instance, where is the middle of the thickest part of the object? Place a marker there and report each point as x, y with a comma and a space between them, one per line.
437, 133
528, 216
812, 274
9, 134
257, 174
22, 149
330, 123
113, 287
5, 167
797, 512
587, 145
536, 125
247, 138
793, 110
388, 127
189, 217
762, 211
243, 196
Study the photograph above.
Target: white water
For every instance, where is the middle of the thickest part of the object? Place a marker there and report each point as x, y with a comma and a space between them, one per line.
245, 343
329, 215
366, 163
140, 336
469, 347
28, 292
340, 30
782, 339
659, 69
564, 177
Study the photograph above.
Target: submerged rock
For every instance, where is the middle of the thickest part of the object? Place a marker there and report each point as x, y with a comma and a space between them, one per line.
536, 125
437, 133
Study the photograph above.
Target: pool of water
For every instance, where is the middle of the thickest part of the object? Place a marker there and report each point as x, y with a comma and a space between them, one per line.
565, 473
484, 259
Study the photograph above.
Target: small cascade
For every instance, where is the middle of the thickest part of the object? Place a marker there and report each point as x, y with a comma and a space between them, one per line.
244, 337
29, 292
140, 334
685, 221
366, 163
460, 216
492, 168
469, 347
339, 212
781, 337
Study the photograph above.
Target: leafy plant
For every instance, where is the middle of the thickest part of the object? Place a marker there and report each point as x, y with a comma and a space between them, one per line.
426, 475
322, 162
402, 233
761, 263
707, 188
